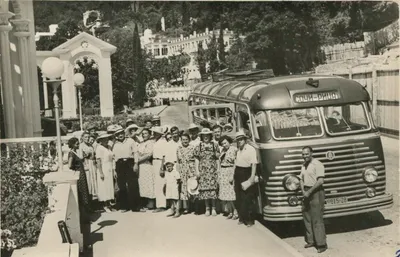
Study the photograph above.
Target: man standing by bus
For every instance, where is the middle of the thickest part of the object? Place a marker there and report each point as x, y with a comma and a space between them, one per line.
311, 183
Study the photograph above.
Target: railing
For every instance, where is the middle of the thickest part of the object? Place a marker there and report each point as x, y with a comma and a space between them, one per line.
63, 203
44, 146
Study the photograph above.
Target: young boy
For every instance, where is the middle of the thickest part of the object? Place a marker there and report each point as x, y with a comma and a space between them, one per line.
172, 179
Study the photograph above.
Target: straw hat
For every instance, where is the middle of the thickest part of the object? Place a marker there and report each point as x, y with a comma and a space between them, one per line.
91, 126
193, 186
78, 134
206, 131
132, 126
240, 135
118, 130
112, 128
103, 135
158, 130
193, 126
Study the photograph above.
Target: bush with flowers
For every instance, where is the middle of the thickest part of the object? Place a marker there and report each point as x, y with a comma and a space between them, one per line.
24, 196
7, 244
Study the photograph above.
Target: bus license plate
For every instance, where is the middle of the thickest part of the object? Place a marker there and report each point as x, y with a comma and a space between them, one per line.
337, 200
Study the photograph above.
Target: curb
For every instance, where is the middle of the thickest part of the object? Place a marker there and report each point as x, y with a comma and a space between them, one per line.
277, 240
165, 107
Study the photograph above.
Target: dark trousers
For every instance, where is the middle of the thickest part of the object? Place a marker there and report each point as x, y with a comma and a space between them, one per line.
127, 180
245, 200
313, 210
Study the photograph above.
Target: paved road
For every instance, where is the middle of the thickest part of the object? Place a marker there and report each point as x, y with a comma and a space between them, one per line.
176, 114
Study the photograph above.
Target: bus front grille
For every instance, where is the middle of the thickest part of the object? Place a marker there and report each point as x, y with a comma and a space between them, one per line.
344, 167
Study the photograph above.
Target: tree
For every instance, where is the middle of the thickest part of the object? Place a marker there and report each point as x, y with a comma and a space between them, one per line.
212, 55
238, 57
221, 48
201, 61
139, 83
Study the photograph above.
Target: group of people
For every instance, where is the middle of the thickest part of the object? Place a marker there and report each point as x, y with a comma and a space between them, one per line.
163, 167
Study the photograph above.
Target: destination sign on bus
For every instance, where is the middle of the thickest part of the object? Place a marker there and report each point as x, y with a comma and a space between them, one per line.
315, 97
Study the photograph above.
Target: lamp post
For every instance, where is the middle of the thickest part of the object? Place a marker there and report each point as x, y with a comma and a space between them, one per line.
78, 82
53, 68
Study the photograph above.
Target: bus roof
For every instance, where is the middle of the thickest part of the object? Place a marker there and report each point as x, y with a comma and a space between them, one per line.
285, 92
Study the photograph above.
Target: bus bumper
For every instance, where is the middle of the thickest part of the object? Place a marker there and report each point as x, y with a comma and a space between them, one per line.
361, 206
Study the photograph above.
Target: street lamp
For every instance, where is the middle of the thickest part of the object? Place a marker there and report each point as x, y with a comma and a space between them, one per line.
53, 68
78, 82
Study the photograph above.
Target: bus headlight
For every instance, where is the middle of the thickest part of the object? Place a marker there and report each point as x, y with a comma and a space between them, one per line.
293, 200
370, 175
291, 182
370, 192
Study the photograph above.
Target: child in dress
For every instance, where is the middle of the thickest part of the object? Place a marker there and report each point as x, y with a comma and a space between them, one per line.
172, 179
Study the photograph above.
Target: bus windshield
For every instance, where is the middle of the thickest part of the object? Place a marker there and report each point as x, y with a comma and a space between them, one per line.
296, 123
345, 119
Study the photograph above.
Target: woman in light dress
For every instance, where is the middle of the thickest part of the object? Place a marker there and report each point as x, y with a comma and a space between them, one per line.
88, 155
146, 173
105, 172
225, 177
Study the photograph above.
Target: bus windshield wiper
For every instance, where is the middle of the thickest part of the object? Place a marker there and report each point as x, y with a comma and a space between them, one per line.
298, 134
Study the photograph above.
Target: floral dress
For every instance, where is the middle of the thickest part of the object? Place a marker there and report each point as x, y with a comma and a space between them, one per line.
186, 167
207, 154
146, 174
226, 189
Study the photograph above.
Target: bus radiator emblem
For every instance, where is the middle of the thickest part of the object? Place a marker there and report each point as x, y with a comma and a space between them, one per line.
330, 155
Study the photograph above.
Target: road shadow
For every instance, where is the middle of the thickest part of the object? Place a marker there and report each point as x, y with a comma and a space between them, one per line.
332, 225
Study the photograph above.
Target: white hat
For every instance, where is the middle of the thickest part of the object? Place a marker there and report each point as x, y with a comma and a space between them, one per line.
158, 130
132, 126
78, 134
240, 134
112, 128
193, 186
205, 131
193, 126
166, 128
118, 130
228, 125
103, 135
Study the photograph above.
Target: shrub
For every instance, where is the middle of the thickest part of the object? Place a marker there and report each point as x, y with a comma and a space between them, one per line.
103, 122
24, 196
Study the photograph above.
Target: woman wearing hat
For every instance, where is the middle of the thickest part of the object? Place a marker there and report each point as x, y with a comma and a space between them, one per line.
186, 167
105, 172
88, 155
146, 174
245, 172
207, 154
227, 162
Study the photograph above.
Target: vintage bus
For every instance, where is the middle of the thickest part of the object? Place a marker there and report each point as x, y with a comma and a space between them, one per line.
283, 114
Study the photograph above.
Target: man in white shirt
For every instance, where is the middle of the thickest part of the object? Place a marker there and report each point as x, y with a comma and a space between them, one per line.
245, 172
127, 170
311, 183
173, 145
160, 149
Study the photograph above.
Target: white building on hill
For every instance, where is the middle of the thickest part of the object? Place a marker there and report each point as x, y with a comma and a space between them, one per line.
163, 47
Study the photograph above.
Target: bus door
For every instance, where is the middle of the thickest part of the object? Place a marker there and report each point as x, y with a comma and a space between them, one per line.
245, 122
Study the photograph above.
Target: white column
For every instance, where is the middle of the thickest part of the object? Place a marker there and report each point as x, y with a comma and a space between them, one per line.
22, 33
105, 83
27, 13
7, 86
45, 92
68, 89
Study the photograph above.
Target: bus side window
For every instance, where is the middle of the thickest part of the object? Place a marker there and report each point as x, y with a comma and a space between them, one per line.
243, 120
262, 132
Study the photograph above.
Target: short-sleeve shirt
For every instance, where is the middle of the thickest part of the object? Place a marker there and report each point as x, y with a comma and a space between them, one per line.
124, 149
172, 150
246, 157
160, 148
310, 174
